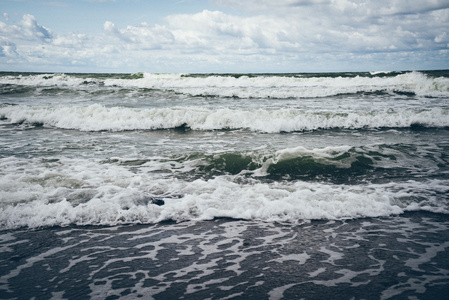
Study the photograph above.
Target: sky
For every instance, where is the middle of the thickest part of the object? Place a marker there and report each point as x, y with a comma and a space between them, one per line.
223, 36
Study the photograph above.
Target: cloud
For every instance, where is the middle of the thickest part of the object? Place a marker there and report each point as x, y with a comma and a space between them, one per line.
214, 31
404, 7
146, 35
363, 7
294, 31
26, 29
31, 29
351, 28
109, 28
261, 36
8, 49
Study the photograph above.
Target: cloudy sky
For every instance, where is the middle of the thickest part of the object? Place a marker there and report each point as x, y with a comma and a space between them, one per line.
202, 36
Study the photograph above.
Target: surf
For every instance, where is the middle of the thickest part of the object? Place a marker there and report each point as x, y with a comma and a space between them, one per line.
244, 86
100, 118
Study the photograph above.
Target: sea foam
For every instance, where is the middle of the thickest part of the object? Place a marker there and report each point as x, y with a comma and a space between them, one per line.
260, 86
220, 197
97, 118
90, 193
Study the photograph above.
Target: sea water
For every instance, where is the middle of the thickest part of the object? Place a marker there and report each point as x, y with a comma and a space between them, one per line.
237, 176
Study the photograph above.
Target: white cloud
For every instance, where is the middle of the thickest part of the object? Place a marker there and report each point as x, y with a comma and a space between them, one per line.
441, 38
31, 29
146, 35
26, 29
351, 27
214, 31
271, 36
8, 49
363, 7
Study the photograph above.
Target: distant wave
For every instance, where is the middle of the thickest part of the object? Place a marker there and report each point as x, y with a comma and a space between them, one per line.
99, 118
250, 86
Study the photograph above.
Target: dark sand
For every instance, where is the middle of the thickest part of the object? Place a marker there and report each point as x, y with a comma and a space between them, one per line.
402, 257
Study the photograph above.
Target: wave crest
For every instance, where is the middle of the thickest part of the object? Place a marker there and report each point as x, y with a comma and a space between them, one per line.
99, 118
279, 86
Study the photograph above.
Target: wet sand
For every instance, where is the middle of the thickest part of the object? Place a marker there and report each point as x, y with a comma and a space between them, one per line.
401, 257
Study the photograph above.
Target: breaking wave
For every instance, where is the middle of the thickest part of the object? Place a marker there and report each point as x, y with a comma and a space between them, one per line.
99, 118
241, 185
137, 199
248, 85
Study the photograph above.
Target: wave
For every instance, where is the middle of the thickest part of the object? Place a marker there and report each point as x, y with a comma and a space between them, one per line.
289, 185
134, 202
100, 118
249, 85
339, 165
220, 197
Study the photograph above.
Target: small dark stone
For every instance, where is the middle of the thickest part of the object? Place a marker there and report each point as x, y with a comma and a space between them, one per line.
157, 201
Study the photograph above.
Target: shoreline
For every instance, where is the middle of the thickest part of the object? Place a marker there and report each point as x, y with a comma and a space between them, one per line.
382, 258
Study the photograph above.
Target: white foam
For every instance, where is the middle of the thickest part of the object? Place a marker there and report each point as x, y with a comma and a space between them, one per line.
84, 192
254, 87
43, 80
288, 87
97, 117
326, 154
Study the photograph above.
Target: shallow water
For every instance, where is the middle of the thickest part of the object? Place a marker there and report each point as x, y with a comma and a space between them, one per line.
369, 258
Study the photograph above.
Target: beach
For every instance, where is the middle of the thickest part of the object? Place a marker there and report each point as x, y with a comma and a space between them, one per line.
372, 258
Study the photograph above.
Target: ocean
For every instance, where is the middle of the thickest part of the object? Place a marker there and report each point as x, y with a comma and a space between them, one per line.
224, 186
